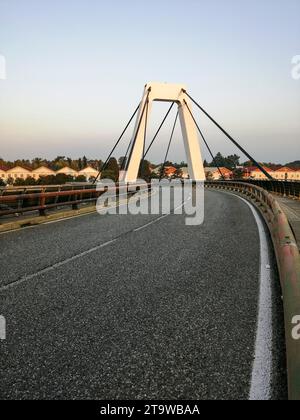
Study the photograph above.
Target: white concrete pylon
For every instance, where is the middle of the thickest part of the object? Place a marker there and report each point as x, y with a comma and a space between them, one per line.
167, 93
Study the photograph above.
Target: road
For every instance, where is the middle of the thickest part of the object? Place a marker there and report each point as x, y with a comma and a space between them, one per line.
98, 308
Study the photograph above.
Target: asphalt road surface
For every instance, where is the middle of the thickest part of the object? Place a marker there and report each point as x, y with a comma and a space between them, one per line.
97, 308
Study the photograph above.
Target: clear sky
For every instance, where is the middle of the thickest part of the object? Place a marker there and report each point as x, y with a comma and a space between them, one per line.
76, 70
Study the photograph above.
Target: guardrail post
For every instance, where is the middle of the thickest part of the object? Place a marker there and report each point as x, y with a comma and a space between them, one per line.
42, 210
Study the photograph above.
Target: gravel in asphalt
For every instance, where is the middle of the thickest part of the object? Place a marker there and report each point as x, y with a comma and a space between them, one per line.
167, 312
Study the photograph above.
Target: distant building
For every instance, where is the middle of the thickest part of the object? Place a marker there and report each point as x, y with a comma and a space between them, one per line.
18, 172
156, 170
42, 171
184, 172
3, 174
169, 171
286, 174
259, 175
66, 170
281, 174
88, 172
214, 173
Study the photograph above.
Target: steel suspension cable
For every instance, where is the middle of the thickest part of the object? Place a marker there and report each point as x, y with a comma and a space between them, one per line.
158, 130
230, 138
104, 165
203, 138
168, 148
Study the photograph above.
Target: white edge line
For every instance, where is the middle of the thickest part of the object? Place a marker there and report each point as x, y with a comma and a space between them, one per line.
260, 388
159, 218
56, 265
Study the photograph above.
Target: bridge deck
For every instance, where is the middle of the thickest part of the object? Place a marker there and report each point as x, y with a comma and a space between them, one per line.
292, 210
115, 307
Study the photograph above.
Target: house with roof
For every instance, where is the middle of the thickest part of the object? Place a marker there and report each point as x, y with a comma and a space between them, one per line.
184, 171
259, 175
214, 173
66, 170
169, 171
286, 174
88, 172
42, 171
18, 172
3, 173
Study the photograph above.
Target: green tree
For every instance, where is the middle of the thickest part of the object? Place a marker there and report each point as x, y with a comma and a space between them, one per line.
178, 173
122, 161
36, 162
10, 180
238, 173
80, 178
108, 174
19, 182
219, 160
59, 162
112, 170
144, 170
232, 161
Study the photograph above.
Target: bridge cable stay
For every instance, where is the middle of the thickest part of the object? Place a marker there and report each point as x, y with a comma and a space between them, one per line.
203, 138
138, 128
125, 156
158, 130
145, 130
104, 165
168, 148
258, 165
145, 135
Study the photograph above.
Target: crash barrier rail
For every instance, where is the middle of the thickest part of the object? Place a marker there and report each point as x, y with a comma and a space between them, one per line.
10, 190
284, 188
288, 261
30, 200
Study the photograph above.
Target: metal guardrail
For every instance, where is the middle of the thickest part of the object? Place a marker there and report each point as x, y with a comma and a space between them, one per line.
20, 201
284, 188
288, 260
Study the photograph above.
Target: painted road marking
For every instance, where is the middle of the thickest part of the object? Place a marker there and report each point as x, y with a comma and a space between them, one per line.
260, 388
73, 258
56, 265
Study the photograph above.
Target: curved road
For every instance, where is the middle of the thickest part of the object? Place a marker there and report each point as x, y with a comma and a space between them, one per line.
98, 309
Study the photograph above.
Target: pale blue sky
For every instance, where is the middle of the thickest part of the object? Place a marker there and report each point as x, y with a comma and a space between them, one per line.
76, 70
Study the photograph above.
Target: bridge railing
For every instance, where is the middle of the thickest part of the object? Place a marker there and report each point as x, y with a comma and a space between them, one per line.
23, 200
288, 261
284, 188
